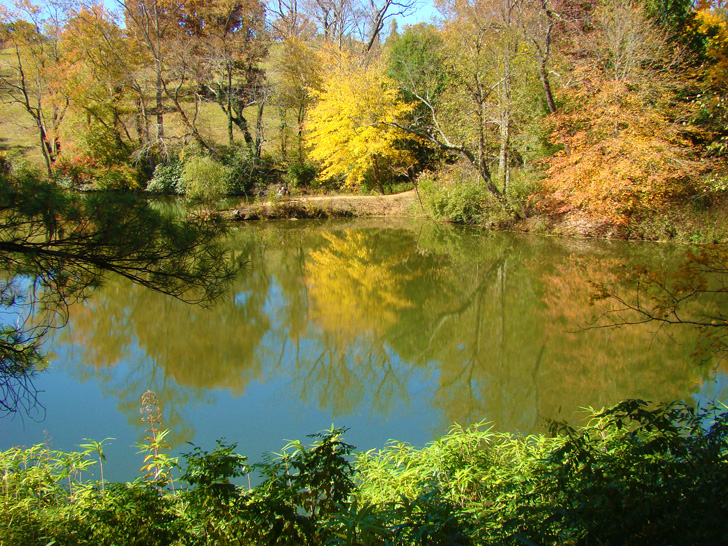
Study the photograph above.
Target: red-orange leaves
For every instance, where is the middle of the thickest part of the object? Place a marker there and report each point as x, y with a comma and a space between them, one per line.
622, 126
625, 157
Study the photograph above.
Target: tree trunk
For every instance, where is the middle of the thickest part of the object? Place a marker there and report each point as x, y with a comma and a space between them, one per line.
260, 128
44, 145
229, 110
543, 75
159, 102
377, 176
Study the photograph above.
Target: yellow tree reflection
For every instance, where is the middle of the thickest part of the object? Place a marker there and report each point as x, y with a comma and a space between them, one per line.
354, 287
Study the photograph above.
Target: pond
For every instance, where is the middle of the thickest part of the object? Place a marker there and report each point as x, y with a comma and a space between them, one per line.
393, 329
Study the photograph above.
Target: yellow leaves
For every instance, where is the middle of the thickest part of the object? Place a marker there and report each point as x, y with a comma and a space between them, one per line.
712, 26
350, 128
714, 31
352, 290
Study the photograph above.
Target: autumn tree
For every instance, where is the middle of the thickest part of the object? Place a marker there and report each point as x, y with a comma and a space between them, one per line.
153, 23
98, 79
626, 151
288, 20
416, 61
30, 69
335, 20
226, 41
351, 128
298, 74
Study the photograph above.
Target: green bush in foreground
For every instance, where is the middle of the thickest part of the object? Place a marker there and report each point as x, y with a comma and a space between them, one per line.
635, 474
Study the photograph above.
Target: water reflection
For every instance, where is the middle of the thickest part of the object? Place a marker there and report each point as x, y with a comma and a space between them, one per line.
356, 315
57, 247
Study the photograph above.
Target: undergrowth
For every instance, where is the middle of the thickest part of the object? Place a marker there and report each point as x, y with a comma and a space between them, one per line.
275, 209
635, 474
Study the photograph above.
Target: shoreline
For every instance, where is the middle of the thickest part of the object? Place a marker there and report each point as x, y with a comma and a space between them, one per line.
680, 224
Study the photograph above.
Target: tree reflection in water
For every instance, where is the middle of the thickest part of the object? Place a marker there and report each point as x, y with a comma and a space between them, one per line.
56, 248
353, 314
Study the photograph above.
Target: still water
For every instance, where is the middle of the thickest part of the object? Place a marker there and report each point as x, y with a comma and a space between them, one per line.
395, 330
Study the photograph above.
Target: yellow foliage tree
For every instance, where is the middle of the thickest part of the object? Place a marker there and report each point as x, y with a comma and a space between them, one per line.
349, 129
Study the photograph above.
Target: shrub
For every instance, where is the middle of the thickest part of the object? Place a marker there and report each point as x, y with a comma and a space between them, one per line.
522, 187
74, 170
247, 174
104, 145
635, 474
4, 163
301, 174
451, 195
456, 194
204, 179
166, 178
118, 177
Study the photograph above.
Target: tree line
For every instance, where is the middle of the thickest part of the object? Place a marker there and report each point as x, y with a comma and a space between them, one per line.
606, 108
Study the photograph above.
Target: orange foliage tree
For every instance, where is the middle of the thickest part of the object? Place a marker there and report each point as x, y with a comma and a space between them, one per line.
624, 132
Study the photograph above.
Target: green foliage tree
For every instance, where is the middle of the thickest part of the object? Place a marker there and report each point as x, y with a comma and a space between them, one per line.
470, 79
417, 62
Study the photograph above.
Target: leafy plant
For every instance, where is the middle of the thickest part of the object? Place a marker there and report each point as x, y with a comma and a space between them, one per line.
118, 177
303, 488
215, 505
636, 473
93, 446
166, 178
158, 465
203, 179
247, 174
454, 196
301, 174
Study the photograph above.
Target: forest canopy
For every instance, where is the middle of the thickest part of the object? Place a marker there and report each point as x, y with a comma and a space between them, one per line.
603, 109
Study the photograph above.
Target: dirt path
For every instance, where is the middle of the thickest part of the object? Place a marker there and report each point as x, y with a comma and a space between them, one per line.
398, 204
